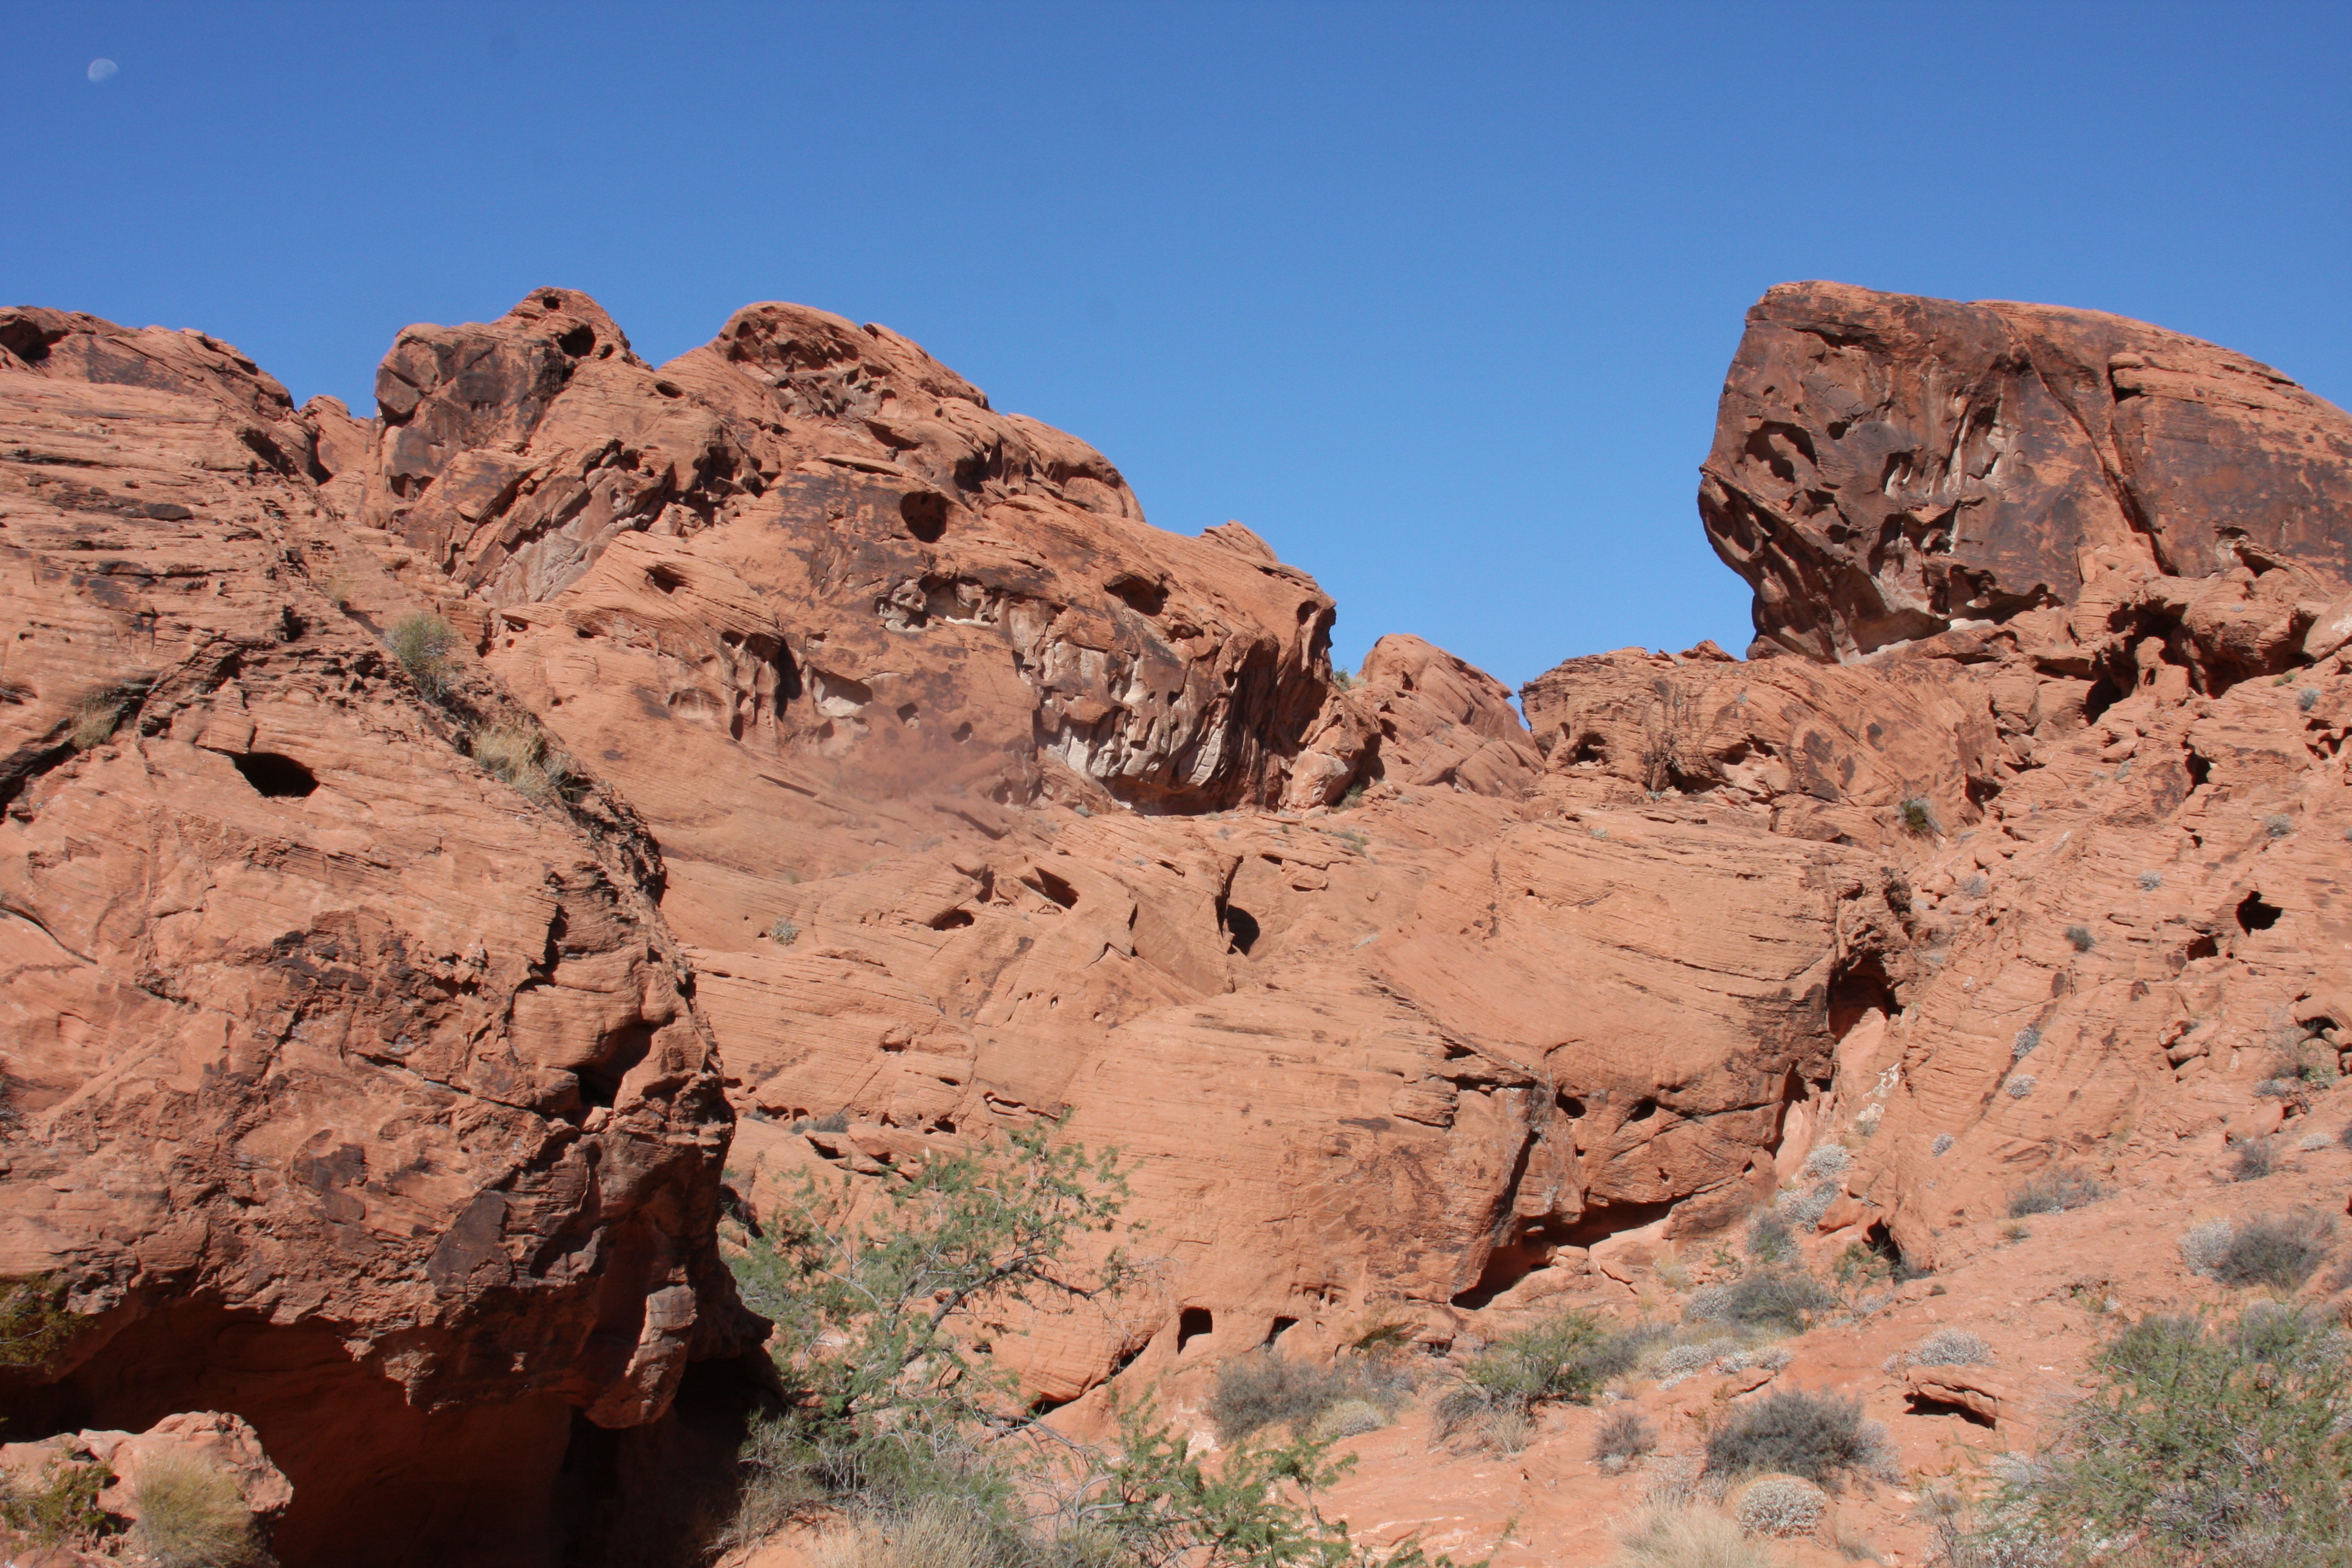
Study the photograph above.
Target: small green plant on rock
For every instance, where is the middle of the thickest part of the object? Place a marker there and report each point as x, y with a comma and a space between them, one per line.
784, 933
1622, 1438
422, 643
2082, 938
2055, 1191
62, 1511
1919, 818
33, 1321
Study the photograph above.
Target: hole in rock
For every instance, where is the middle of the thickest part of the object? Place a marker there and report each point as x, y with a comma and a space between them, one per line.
1572, 1107
577, 341
654, 1494
600, 1081
2103, 694
668, 579
1191, 1323
962, 732
952, 918
906, 711
1642, 1111
2199, 769
1046, 1404
1141, 594
1602, 1220
1859, 989
1053, 887
1242, 927
1506, 1266
2255, 915
377, 1483
1920, 1405
1590, 752
1281, 1327
2201, 947
279, 777
925, 513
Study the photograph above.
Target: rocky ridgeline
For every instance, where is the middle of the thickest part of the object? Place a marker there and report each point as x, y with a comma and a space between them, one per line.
829, 766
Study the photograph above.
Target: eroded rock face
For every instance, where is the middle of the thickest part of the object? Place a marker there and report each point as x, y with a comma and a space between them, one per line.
1886, 466
347, 1087
832, 550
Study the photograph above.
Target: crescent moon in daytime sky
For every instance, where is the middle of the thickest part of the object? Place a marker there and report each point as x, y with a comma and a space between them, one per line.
100, 70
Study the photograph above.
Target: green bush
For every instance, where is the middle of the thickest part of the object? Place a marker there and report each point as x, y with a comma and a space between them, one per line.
2213, 1444
1566, 1357
63, 1509
421, 644
33, 1321
1798, 1434
887, 1293
2055, 1191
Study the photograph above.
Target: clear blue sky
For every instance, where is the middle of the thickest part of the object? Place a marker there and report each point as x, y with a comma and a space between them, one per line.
1438, 299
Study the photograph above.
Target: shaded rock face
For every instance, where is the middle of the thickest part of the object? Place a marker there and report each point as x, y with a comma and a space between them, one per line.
1886, 466
348, 1089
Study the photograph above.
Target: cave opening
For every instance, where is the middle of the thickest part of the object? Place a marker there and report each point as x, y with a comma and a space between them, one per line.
275, 776
2255, 915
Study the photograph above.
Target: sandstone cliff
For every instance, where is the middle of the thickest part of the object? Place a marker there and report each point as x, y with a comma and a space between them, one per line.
895, 780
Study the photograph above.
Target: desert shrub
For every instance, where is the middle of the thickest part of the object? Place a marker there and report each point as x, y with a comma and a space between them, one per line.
2082, 938
192, 1515
100, 712
2149, 881
1768, 1299
2055, 1191
1621, 1436
1919, 818
1941, 1146
2023, 1046
2308, 699
2345, 1137
784, 932
1670, 1537
1769, 1240
63, 1509
1815, 1435
1678, 1362
2278, 825
1976, 886
930, 1533
1781, 1505
1805, 1209
421, 644
1265, 1389
1566, 1357
2020, 1085
519, 755
2202, 1245
2215, 1444
1952, 1347
2279, 1251
1828, 1160
886, 1292
1351, 1418
2251, 1159
33, 1321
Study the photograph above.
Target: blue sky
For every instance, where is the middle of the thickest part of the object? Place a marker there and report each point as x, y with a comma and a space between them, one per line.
1438, 299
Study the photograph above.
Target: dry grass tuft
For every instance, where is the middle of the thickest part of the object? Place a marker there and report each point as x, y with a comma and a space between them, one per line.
192, 1515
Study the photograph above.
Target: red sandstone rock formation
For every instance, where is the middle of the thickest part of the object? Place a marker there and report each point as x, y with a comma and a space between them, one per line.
938, 792
347, 1088
1887, 467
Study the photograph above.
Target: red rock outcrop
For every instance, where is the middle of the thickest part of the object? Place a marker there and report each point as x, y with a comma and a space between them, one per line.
1887, 467
347, 1088
907, 785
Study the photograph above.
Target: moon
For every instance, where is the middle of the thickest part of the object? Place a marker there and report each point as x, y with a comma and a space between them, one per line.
100, 70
